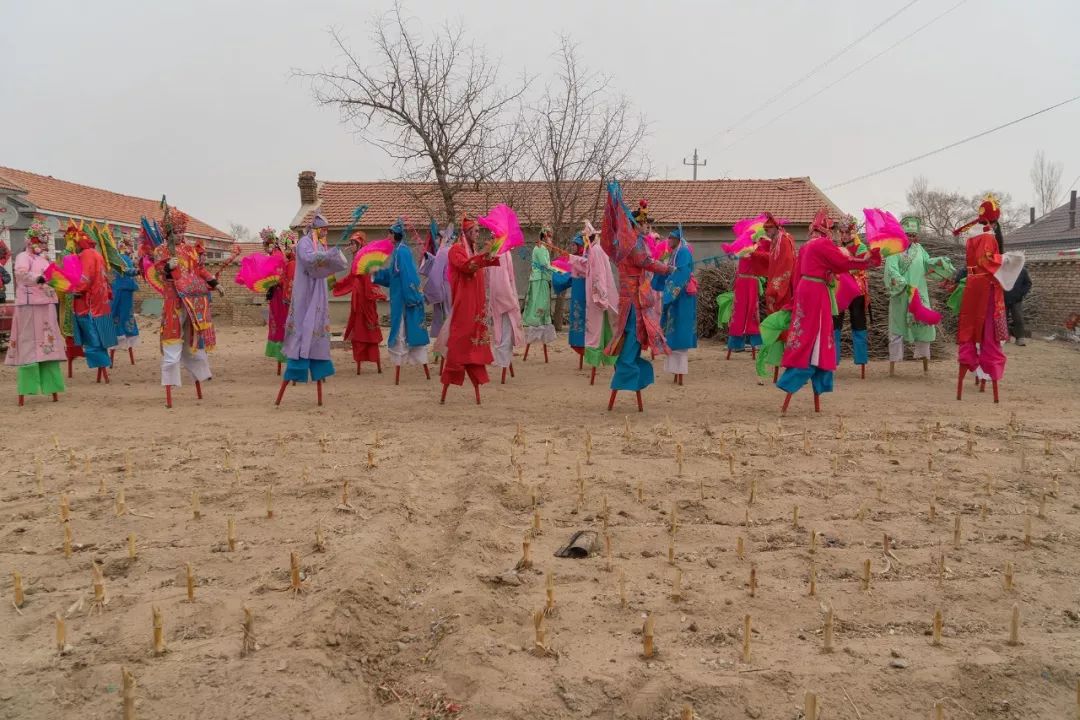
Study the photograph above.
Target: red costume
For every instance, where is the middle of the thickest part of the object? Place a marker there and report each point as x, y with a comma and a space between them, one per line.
468, 347
93, 293
362, 327
185, 317
982, 310
779, 289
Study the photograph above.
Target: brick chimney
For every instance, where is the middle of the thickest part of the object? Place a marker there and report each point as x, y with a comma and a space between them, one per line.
1032, 216
308, 188
1072, 210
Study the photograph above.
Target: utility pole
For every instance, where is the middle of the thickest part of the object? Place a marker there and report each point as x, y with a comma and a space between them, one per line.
695, 164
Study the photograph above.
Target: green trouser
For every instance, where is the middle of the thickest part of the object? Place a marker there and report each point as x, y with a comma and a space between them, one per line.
41, 378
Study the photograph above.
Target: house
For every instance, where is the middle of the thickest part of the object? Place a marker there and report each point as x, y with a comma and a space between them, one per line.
707, 209
26, 195
1053, 235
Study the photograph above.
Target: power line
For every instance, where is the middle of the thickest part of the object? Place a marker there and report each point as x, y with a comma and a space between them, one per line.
835, 56
958, 143
842, 78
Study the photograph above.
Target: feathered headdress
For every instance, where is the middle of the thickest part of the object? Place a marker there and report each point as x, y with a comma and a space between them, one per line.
642, 213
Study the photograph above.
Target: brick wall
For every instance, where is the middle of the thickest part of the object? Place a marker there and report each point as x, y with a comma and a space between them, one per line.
1055, 292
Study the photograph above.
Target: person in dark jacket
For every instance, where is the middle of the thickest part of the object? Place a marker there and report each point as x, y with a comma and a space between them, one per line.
1014, 306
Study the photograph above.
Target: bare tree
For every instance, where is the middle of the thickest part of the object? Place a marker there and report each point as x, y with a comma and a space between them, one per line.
1046, 177
576, 135
436, 105
240, 233
940, 210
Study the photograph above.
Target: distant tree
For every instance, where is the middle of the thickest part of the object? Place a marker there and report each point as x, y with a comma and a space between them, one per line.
941, 211
1046, 178
578, 131
241, 233
434, 104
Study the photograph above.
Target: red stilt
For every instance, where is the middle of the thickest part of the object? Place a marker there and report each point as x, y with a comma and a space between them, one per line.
652, 354
776, 374
112, 357
427, 373
503, 382
98, 375
358, 368
592, 379
198, 390
442, 361
787, 401
995, 383
611, 400
168, 396
960, 383
525, 357
281, 391
545, 354
680, 379
70, 361
511, 369
442, 400
22, 401
817, 403
753, 352
580, 361
728, 354
476, 389
279, 369
982, 386
378, 365
640, 402
318, 391
105, 374
862, 372
131, 355
397, 374
55, 397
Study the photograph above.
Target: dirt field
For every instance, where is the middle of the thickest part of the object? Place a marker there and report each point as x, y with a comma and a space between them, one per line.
411, 612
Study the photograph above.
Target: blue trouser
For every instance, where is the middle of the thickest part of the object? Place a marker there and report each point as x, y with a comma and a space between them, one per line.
858, 344
738, 342
631, 371
298, 370
857, 313
95, 336
794, 378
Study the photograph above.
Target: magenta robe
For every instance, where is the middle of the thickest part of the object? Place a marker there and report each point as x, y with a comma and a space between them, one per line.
810, 339
745, 318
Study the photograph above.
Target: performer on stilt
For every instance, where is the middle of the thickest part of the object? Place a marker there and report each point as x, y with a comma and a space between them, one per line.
94, 329
601, 302
468, 346
848, 230
752, 266
123, 303
276, 304
408, 342
436, 269
679, 319
809, 354
362, 328
307, 330
187, 326
505, 312
623, 239
780, 279
983, 326
536, 320
35, 346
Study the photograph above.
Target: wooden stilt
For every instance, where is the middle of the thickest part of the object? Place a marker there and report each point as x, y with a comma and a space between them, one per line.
503, 381
817, 402
476, 388
318, 392
397, 374
442, 398
525, 357
640, 402
592, 376
22, 401
995, 383
168, 396
511, 370
427, 372
281, 391
611, 400
787, 401
131, 355
198, 390
545, 354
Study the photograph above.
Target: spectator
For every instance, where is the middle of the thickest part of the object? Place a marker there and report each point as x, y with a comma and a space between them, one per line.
1014, 306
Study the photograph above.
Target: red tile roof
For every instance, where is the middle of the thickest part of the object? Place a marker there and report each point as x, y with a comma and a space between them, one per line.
691, 202
7, 184
68, 198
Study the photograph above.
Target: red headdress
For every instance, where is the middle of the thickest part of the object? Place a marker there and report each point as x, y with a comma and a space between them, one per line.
467, 223
989, 212
358, 237
822, 223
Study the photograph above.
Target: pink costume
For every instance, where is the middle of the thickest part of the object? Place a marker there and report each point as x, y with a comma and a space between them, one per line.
745, 320
505, 311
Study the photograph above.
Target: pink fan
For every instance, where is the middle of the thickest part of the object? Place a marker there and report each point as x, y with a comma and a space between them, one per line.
502, 221
920, 312
561, 264
257, 268
883, 231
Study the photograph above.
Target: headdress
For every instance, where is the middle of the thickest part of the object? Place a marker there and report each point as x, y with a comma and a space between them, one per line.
545, 230
822, 223
358, 237
579, 240
642, 213
989, 212
319, 221
912, 224
398, 228
268, 236
677, 233
589, 230
467, 223
37, 233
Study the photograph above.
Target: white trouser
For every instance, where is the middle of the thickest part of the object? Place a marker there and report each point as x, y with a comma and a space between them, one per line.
540, 334
177, 354
896, 349
504, 349
123, 342
402, 354
677, 362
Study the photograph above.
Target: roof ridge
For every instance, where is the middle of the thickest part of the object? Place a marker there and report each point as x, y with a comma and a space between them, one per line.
796, 178
80, 185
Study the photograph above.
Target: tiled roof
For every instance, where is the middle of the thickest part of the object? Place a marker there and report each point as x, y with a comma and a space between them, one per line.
68, 198
1053, 227
691, 202
7, 184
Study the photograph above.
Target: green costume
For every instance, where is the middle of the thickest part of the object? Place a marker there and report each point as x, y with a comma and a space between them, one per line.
906, 270
536, 319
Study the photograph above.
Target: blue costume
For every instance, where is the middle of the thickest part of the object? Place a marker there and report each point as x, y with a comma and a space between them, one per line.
408, 338
679, 318
123, 304
560, 282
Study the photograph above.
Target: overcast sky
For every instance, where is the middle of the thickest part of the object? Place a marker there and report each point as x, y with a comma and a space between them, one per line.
195, 99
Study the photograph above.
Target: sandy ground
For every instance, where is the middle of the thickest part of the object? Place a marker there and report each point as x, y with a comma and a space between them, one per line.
404, 615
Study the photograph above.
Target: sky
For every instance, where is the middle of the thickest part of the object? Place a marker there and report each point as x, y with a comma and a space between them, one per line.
196, 99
